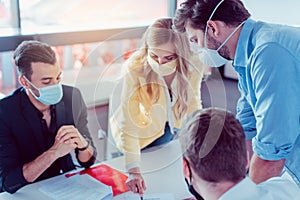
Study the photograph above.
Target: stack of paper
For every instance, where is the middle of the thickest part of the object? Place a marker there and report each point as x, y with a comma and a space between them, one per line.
77, 187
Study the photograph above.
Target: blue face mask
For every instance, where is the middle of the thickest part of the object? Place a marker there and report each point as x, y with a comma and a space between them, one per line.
49, 95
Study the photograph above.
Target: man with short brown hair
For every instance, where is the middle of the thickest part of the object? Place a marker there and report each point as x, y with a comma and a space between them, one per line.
41, 122
215, 160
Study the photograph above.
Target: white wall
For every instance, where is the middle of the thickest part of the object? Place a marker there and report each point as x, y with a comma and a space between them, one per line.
275, 11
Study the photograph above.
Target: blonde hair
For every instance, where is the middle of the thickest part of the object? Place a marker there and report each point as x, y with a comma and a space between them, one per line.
159, 33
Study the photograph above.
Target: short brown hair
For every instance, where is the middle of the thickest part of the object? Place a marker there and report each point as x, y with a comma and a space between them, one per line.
197, 13
32, 51
213, 141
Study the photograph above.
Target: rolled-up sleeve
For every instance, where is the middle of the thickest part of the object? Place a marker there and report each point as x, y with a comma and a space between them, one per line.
277, 105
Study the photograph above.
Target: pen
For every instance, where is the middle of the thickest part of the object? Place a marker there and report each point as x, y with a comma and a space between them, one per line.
142, 198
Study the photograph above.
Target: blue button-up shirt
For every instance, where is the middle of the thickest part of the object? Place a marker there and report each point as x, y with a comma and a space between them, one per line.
268, 63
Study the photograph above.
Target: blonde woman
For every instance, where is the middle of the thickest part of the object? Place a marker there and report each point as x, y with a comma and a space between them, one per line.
161, 87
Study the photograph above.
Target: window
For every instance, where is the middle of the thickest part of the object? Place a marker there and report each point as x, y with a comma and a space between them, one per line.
44, 15
6, 17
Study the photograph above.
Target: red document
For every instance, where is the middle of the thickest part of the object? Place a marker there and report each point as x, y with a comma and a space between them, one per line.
108, 176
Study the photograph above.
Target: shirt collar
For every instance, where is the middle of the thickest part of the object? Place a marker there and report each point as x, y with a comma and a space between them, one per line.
236, 192
241, 54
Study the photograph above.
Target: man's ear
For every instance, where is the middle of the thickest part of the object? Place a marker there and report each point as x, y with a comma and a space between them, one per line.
186, 170
23, 81
214, 27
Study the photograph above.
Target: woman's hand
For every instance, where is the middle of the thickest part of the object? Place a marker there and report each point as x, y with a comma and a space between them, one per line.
135, 183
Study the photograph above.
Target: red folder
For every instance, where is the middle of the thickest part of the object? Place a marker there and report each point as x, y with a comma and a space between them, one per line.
108, 176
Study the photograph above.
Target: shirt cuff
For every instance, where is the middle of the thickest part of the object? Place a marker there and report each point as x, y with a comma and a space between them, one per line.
132, 165
269, 151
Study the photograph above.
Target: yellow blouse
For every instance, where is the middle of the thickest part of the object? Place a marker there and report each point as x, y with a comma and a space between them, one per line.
135, 124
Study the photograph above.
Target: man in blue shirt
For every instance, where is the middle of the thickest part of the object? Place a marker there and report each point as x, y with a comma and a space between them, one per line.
267, 59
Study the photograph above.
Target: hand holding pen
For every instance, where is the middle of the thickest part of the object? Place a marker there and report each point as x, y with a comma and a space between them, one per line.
141, 195
136, 184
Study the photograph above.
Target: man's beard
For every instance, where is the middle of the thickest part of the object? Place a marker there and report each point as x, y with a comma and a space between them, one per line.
214, 44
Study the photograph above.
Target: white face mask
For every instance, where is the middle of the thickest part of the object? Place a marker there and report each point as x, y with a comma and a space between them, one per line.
211, 57
49, 95
163, 69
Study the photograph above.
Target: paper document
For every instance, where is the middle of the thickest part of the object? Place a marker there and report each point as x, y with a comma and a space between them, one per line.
77, 187
132, 196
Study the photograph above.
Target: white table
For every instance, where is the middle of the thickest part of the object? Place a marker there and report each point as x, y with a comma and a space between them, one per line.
162, 171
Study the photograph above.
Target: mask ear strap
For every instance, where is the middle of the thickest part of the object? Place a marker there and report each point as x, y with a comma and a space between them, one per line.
30, 82
213, 12
211, 15
231, 34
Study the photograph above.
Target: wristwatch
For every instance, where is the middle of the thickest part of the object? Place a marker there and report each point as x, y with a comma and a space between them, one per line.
86, 146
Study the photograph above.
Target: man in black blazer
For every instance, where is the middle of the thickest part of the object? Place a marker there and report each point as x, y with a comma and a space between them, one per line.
41, 122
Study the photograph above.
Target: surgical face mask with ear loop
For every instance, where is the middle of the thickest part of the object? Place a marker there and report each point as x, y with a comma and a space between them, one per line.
211, 57
191, 187
163, 69
49, 95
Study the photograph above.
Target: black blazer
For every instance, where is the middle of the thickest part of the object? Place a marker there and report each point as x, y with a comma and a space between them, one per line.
21, 139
